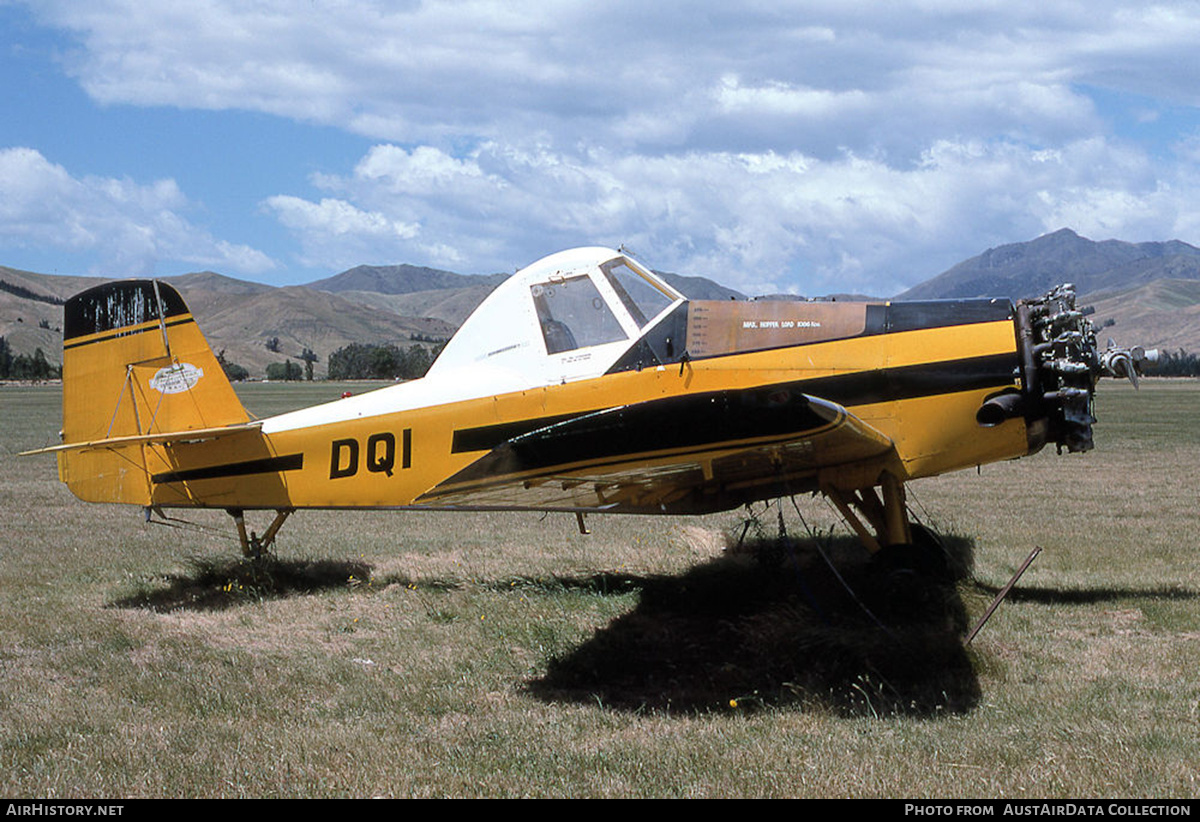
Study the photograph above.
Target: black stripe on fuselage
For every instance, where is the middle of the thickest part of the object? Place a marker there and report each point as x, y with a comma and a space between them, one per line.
913, 381
487, 437
847, 390
680, 425
270, 465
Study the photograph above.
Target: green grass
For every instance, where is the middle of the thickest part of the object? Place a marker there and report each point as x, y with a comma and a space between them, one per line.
390, 654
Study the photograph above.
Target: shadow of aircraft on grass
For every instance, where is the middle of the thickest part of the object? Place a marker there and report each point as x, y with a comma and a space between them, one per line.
778, 623
227, 582
806, 626
1086, 596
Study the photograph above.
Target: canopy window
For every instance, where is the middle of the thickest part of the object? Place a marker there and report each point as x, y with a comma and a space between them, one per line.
573, 314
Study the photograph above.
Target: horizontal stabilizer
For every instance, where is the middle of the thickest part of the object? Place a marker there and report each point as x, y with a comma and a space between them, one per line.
192, 435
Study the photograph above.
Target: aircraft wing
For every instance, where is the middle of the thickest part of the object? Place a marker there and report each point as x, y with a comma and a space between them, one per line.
685, 454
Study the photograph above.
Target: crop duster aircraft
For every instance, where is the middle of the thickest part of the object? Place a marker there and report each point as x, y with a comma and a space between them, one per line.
585, 383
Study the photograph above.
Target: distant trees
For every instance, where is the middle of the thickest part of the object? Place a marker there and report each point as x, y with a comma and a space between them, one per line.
287, 370
309, 358
352, 362
380, 362
22, 291
23, 367
233, 371
1178, 364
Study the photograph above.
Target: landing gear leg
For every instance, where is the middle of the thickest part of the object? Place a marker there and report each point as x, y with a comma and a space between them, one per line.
895, 511
254, 547
881, 522
887, 517
909, 576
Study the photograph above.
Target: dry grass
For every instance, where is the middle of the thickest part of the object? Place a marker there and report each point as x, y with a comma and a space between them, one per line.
508, 655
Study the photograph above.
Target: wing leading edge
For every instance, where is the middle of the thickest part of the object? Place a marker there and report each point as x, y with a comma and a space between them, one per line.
684, 454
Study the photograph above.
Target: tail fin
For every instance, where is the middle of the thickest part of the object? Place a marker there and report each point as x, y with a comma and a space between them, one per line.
134, 364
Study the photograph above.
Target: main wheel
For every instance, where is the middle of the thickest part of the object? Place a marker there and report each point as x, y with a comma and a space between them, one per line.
910, 580
925, 556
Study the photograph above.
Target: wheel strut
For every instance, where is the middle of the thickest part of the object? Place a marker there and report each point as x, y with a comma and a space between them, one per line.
886, 517
252, 545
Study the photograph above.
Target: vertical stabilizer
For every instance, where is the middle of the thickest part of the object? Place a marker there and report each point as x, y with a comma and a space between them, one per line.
134, 363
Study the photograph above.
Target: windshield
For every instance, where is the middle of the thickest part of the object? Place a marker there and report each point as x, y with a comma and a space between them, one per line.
642, 298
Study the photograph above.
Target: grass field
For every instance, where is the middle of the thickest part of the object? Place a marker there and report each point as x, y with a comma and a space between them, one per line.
391, 654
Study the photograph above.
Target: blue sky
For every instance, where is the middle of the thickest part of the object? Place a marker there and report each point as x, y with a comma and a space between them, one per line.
805, 147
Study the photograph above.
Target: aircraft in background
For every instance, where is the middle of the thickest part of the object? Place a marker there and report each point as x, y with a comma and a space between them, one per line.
584, 383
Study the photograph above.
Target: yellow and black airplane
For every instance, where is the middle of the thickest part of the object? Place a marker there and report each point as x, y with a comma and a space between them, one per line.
584, 384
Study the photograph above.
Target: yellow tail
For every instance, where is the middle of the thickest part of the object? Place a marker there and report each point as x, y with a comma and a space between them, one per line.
134, 365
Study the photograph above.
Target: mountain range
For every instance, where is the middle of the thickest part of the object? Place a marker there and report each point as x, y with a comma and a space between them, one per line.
1030, 269
1142, 293
1146, 293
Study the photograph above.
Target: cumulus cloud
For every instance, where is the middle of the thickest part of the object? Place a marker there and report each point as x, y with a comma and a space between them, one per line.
334, 230
788, 146
127, 226
419, 72
758, 221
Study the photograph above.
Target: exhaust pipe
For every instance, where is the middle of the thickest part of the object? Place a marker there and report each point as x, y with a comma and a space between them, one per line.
1000, 408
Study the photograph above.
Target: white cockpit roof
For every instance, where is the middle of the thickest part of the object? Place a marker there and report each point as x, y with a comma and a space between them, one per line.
568, 316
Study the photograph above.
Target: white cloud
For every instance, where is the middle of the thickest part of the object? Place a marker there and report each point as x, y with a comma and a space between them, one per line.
337, 217
758, 221
334, 230
784, 99
425, 170
579, 70
128, 227
790, 145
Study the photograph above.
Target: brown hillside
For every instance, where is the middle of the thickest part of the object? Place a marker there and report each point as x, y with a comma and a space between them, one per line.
1161, 314
301, 318
236, 316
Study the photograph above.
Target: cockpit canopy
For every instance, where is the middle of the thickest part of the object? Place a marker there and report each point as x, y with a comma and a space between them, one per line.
568, 316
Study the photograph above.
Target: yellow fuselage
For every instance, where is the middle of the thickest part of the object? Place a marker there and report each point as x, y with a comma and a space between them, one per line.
919, 388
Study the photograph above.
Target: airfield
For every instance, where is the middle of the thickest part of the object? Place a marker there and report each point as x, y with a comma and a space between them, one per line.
504, 655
